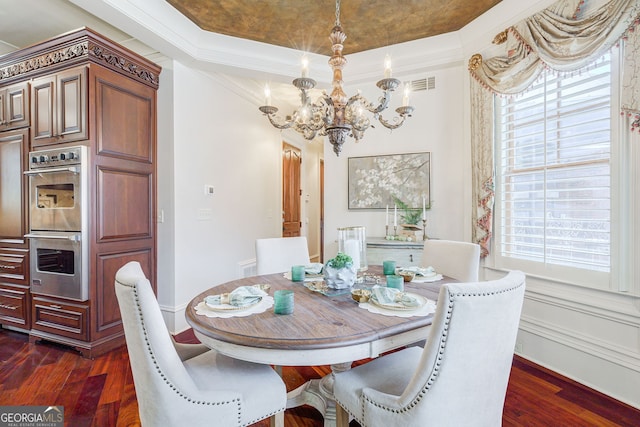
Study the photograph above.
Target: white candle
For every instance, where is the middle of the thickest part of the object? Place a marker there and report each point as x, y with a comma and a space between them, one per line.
424, 208
305, 66
395, 215
387, 67
267, 95
352, 248
386, 216
405, 98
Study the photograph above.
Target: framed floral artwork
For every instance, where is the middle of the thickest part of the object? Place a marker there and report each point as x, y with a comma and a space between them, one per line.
376, 182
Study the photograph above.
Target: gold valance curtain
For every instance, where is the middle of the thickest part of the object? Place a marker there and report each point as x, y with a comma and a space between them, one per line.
566, 37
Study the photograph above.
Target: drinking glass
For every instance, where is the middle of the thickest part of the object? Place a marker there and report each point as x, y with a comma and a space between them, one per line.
395, 281
388, 267
297, 273
283, 301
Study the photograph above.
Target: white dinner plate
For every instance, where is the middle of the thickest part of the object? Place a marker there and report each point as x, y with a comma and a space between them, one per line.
399, 306
229, 307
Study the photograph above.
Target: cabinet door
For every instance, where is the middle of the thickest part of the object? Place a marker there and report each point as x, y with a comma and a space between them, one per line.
71, 99
14, 151
14, 306
42, 110
60, 317
59, 107
14, 106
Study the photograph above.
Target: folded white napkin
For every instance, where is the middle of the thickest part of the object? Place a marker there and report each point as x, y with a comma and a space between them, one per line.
426, 272
314, 268
384, 295
239, 297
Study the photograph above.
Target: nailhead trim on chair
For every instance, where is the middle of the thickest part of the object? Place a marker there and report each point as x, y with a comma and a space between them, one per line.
443, 342
170, 384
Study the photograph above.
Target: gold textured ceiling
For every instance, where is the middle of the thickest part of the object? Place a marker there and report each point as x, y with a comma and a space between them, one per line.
305, 24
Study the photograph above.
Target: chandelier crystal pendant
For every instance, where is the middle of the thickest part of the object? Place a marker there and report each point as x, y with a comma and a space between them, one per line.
335, 115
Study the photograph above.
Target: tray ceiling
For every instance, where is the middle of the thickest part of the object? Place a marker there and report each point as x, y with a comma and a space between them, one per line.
305, 25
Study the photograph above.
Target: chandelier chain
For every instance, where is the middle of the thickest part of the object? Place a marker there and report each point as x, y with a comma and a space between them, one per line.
337, 13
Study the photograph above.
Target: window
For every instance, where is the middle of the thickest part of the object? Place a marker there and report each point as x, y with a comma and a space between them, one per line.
553, 204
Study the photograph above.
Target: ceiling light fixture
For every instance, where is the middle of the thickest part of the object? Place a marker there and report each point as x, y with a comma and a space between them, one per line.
336, 115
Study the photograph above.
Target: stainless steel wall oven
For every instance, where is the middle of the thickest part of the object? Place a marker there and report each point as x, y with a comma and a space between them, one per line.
58, 222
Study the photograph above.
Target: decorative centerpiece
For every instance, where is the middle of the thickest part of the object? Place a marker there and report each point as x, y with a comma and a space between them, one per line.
340, 272
410, 219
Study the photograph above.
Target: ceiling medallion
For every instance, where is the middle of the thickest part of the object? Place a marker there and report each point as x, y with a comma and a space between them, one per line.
335, 115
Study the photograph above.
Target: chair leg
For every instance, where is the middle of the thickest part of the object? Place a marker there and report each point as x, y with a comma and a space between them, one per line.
277, 420
342, 416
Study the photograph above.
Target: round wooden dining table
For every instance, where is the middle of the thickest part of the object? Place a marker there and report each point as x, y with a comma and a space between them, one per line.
322, 330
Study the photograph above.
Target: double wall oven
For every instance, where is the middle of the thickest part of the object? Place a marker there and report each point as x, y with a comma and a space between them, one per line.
58, 222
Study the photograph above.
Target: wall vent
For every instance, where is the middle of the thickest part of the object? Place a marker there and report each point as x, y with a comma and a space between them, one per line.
247, 268
428, 83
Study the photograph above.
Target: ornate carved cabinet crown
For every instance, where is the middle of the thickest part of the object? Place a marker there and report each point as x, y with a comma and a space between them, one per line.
78, 89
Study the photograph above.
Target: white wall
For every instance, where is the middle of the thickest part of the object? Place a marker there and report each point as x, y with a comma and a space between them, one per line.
208, 135
217, 139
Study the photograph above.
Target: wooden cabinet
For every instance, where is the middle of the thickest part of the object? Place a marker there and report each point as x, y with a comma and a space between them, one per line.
14, 288
59, 107
86, 90
14, 266
14, 306
61, 318
14, 153
14, 249
405, 254
14, 106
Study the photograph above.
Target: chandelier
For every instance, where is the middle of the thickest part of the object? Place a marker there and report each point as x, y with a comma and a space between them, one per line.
335, 115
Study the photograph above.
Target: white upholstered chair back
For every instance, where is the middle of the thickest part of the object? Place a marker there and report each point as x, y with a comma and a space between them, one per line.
461, 376
278, 254
459, 260
190, 390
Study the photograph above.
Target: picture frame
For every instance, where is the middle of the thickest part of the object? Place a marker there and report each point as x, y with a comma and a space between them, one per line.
376, 181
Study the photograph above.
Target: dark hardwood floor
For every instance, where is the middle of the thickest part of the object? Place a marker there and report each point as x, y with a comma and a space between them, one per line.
100, 392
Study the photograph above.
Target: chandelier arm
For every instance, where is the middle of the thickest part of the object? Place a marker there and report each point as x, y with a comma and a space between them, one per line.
375, 109
282, 124
305, 131
394, 123
316, 119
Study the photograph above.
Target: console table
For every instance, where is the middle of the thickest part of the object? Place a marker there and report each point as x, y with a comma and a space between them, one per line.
403, 253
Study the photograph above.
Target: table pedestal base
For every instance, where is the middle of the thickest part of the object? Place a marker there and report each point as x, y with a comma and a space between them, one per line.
319, 394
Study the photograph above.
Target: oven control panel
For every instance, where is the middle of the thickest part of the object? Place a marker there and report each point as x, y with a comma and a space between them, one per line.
56, 157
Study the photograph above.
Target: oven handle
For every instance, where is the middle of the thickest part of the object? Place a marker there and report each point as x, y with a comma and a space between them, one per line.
73, 169
74, 238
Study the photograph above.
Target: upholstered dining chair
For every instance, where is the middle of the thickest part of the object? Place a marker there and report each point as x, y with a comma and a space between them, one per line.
189, 385
278, 254
460, 377
458, 260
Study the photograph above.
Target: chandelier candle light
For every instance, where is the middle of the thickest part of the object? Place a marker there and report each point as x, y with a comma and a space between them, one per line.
337, 116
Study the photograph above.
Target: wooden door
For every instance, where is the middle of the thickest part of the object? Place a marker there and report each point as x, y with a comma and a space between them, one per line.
291, 191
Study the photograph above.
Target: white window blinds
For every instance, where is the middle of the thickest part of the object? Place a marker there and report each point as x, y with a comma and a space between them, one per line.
554, 145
